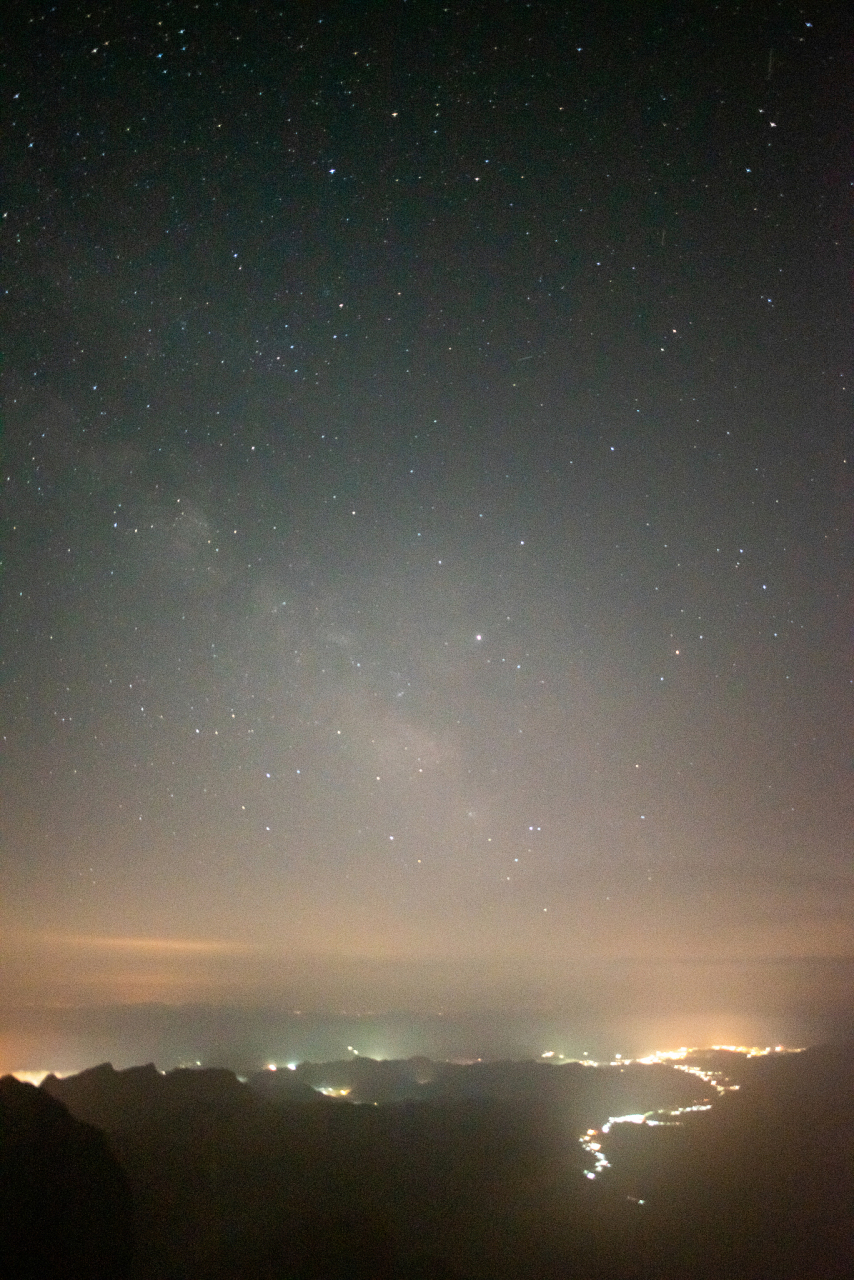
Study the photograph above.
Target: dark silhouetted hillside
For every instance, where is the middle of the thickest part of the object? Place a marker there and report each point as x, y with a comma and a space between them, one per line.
762, 1185
476, 1171
65, 1202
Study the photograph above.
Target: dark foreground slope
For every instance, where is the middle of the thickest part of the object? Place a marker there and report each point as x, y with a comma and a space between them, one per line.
481, 1175
761, 1185
65, 1203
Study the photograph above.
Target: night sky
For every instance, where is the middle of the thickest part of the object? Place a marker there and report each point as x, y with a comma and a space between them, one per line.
426, 523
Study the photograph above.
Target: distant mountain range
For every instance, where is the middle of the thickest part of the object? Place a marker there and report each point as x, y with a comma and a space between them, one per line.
443, 1170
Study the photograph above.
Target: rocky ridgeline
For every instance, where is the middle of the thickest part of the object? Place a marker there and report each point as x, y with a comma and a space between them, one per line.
443, 1171
65, 1201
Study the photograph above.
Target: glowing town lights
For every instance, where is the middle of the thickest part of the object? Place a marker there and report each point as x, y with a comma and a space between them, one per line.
666, 1055
594, 1148
679, 1060
635, 1117
754, 1052
33, 1077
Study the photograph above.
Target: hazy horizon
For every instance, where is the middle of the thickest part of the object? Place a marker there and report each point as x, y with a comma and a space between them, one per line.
810, 1006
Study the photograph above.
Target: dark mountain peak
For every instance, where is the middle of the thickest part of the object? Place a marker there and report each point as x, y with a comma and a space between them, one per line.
117, 1100
66, 1203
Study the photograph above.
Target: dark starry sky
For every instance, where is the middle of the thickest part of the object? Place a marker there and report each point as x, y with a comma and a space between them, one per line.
426, 524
